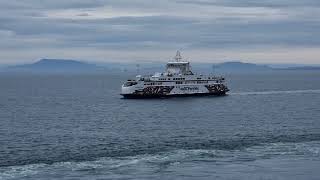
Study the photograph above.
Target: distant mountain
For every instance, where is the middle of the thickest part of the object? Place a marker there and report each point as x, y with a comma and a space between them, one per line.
226, 67
73, 66
304, 68
55, 66
237, 66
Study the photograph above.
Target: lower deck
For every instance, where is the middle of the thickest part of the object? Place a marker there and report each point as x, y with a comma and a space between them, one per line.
150, 96
170, 91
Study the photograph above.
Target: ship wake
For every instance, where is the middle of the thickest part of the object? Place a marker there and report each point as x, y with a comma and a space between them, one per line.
307, 91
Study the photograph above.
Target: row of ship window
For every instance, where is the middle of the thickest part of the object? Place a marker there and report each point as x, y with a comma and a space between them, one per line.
164, 79
179, 82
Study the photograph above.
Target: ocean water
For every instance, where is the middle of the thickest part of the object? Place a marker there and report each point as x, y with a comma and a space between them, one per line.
78, 127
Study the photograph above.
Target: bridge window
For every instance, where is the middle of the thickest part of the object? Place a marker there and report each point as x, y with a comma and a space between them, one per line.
127, 84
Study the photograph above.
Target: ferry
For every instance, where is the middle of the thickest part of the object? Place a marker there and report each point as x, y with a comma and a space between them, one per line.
177, 80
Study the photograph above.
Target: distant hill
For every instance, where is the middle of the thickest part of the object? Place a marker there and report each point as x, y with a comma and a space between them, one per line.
74, 66
304, 68
55, 66
237, 66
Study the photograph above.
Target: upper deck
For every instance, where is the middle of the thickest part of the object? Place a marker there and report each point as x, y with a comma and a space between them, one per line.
178, 67
178, 70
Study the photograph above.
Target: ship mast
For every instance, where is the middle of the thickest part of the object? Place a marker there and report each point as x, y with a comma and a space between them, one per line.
178, 56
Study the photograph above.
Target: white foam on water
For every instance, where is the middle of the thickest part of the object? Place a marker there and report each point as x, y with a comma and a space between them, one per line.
20, 171
172, 158
309, 91
307, 149
125, 163
76, 166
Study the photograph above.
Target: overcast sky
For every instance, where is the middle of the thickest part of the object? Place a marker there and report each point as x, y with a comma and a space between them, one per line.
259, 31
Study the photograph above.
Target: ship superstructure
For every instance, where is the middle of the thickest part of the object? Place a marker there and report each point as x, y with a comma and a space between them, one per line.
177, 80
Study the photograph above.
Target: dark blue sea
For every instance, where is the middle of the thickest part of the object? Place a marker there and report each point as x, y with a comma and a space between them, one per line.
78, 127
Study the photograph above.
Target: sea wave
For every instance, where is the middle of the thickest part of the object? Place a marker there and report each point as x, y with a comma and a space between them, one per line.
160, 161
237, 142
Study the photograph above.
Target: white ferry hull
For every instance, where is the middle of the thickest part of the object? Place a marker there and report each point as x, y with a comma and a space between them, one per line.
174, 91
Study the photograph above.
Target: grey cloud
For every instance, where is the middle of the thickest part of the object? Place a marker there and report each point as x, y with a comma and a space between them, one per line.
25, 26
164, 31
254, 3
49, 4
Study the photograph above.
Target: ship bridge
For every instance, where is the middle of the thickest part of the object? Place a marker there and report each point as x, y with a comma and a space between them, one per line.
178, 67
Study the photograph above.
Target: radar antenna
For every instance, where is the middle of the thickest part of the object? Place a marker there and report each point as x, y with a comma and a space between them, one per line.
213, 69
178, 56
138, 68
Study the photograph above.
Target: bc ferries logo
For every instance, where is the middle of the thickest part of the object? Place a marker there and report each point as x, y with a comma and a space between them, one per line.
189, 88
